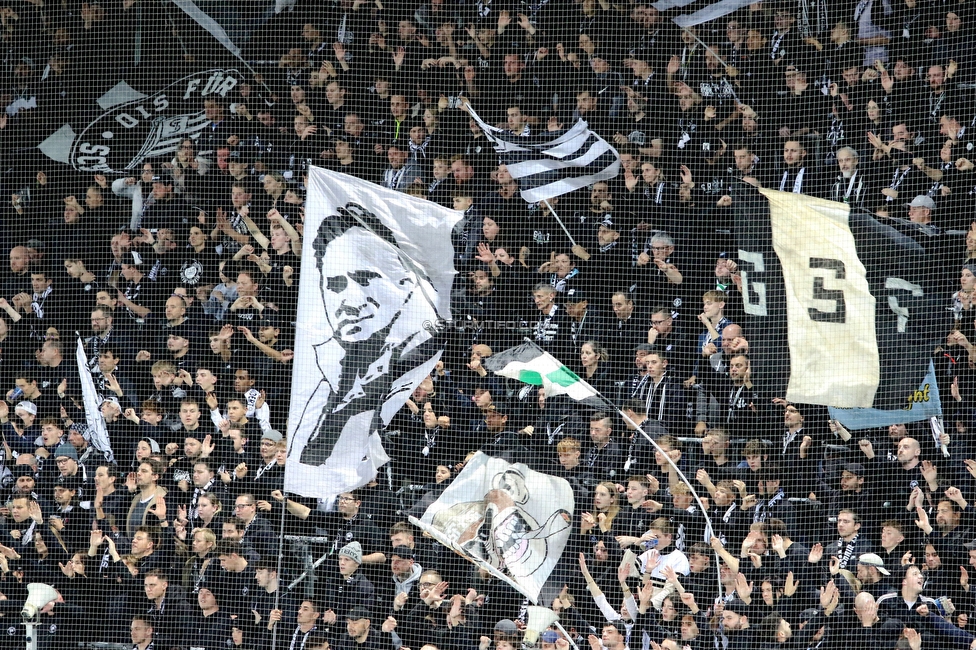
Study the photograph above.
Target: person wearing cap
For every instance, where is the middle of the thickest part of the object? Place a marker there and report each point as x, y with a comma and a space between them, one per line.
69, 519
921, 209
610, 269
585, 323
77, 437
505, 635
361, 635
735, 625
406, 573
24, 481
547, 639
853, 494
20, 432
659, 278
267, 475
176, 339
350, 588
874, 577
45, 402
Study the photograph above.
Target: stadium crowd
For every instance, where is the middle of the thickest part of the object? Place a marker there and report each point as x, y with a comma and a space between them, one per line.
182, 279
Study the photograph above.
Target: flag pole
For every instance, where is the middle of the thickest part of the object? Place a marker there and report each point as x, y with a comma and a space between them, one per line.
720, 60
694, 492
578, 250
639, 429
566, 634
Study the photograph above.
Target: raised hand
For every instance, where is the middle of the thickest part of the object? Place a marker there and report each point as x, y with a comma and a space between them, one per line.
816, 554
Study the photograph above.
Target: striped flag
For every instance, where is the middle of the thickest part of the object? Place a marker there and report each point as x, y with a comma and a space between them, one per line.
530, 364
553, 163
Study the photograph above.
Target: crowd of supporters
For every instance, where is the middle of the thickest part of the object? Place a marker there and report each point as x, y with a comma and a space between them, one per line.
182, 280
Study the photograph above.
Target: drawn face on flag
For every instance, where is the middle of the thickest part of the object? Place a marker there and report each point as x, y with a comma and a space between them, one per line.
364, 284
359, 301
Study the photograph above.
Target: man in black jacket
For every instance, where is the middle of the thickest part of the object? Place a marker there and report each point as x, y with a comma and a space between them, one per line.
168, 611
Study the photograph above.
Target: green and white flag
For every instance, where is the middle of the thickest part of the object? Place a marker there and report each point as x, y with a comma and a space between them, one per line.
531, 364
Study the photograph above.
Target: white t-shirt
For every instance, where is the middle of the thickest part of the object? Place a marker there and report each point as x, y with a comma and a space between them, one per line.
675, 559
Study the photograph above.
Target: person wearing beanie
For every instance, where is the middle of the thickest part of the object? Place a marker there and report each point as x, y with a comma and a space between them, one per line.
350, 589
210, 625
735, 625
70, 471
506, 635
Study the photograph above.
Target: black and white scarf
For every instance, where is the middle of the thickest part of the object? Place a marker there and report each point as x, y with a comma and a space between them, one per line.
845, 550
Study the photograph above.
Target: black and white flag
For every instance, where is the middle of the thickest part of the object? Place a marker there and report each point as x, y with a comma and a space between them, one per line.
376, 275
97, 431
553, 163
129, 126
846, 296
506, 518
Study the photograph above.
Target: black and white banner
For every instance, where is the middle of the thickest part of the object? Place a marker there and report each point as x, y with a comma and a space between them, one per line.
132, 126
97, 431
553, 163
844, 294
711, 11
376, 272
